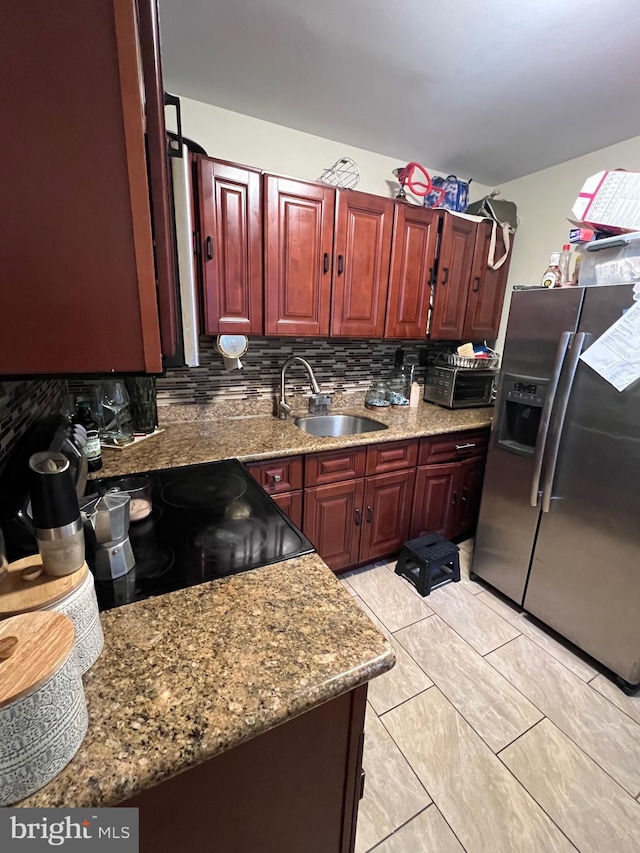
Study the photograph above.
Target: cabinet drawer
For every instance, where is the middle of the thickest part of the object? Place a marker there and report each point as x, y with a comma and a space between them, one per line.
453, 446
392, 456
278, 475
335, 466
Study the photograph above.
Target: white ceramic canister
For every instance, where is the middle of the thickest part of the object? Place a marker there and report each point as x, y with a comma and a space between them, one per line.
43, 712
25, 588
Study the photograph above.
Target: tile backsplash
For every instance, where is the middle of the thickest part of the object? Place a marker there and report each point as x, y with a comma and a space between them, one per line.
338, 365
22, 403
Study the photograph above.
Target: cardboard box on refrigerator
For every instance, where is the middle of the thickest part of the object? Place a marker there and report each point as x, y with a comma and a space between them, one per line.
610, 200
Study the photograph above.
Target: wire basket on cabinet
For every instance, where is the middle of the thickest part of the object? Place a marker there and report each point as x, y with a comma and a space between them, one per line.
454, 360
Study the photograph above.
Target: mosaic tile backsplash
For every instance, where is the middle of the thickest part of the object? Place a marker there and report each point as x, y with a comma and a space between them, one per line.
22, 404
338, 365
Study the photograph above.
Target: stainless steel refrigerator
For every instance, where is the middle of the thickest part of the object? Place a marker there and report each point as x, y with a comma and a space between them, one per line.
559, 526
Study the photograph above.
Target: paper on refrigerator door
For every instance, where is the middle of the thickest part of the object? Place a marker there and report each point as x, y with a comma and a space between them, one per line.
615, 355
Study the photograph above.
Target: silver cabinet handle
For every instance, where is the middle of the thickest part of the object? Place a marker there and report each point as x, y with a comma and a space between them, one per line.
465, 446
545, 418
563, 402
276, 478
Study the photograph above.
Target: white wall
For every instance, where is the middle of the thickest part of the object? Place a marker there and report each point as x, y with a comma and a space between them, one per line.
274, 148
544, 201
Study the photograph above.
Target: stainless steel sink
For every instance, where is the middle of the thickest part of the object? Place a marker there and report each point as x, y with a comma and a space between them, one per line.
333, 425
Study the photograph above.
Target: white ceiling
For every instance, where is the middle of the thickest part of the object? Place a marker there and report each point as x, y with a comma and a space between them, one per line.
488, 89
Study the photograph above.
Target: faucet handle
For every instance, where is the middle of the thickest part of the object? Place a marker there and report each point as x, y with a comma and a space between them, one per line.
320, 404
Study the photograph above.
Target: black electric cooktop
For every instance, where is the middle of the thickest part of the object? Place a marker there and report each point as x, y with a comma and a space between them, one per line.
208, 521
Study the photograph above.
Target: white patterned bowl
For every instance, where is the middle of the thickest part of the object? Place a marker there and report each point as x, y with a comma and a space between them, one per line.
81, 606
42, 728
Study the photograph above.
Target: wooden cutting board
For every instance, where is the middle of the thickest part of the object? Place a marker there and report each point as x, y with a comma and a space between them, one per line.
38, 644
18, 594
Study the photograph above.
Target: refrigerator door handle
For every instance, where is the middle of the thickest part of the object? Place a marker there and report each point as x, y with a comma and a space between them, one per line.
545, 418
563, 402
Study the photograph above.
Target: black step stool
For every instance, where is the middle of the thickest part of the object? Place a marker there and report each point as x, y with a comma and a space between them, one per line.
429, 561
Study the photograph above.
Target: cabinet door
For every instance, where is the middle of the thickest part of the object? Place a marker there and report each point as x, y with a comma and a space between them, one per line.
231, 234
435, 499
161, 212
298, 257
415, 233
79, 282
362, 249
454, 273
387, 513
486, 294
291, 504
471, 477
333, 521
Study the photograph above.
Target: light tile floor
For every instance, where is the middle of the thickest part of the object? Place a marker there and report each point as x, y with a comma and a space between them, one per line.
490, 735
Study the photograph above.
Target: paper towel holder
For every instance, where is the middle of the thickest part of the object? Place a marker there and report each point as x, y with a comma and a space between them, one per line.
231, 347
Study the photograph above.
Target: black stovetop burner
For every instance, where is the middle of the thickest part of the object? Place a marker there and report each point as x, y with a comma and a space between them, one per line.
208, 521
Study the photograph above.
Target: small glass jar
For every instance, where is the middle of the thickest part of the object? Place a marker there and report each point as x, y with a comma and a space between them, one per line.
399, 391
377, 396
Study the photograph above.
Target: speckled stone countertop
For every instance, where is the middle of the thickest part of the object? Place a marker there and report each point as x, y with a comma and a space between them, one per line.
264, 437
188, 675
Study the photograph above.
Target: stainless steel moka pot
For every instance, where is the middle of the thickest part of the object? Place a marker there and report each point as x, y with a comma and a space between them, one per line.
55, 513
106, 521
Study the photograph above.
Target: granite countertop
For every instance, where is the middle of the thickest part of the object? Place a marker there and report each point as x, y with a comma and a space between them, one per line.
265, 437
188, 675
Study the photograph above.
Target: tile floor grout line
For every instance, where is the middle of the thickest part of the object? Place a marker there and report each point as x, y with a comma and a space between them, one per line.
405, 757
540, 806
477, 653
404, 701
617, 707
522, 734
453, 832
584, 752
465, 592
501, 646
550, 634
527, 792
566, 734
398, 828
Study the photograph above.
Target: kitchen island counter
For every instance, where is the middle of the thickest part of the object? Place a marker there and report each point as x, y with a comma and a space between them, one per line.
189, 675
250, 438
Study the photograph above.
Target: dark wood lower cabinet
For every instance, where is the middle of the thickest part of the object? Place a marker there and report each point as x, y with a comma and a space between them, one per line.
471, 479
295, 788
359, 520
333, 521
387, 513
434, 499
360, 504
291, 504
447, 498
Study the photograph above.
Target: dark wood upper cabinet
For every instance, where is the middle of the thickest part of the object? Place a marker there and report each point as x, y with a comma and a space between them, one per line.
77, 247
454, 271
298, 229
415, 234
161, 213
487, 288
231, 247
362, 248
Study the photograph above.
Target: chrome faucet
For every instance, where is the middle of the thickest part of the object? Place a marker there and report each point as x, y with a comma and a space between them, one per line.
284, 408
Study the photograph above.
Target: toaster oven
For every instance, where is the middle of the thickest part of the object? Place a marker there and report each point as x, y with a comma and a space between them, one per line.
460, 387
